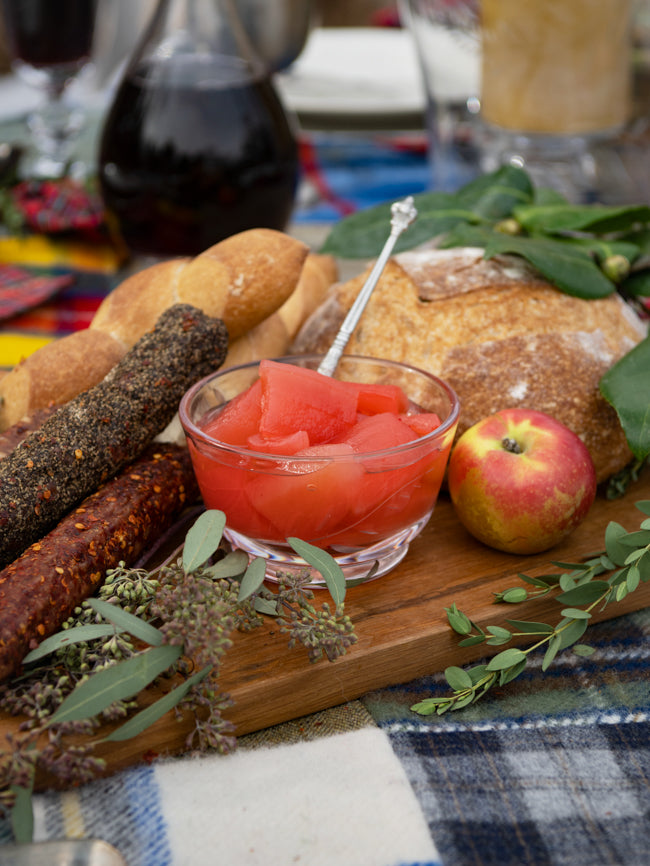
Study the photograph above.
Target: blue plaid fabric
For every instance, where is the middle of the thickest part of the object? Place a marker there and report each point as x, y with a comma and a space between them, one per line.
552, 770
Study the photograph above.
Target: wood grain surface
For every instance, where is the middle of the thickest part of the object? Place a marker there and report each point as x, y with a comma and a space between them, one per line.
401, 625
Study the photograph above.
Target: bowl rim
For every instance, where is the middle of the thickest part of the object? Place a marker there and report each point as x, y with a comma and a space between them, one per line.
192, 430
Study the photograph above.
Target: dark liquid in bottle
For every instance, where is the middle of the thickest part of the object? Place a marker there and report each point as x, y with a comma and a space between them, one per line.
189, 159
49, 32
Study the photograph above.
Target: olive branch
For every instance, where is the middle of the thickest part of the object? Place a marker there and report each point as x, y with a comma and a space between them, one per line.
581, 588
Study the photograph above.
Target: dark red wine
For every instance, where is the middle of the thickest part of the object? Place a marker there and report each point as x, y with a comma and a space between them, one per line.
189, 159
49, 32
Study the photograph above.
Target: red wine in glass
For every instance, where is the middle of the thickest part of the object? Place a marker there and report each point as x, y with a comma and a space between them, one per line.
49, 42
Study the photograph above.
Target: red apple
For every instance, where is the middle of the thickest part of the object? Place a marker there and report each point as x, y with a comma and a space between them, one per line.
520, 481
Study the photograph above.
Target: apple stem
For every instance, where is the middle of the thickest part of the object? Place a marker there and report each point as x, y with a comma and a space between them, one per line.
510, 444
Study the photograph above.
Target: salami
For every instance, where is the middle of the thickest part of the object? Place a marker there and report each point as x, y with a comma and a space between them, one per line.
14, 435
88, 440
40, 589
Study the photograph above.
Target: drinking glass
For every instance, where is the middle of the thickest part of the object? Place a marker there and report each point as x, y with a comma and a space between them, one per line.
49, 42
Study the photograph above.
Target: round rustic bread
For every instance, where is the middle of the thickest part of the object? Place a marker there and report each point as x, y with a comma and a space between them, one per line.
498, 333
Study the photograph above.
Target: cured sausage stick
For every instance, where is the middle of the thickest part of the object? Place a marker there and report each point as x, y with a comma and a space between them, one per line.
89, 439
14, 435
41, 589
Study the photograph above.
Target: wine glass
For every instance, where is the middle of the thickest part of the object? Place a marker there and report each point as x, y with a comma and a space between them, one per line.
49, 42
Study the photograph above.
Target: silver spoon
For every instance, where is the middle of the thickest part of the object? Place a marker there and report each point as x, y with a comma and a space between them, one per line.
402, 215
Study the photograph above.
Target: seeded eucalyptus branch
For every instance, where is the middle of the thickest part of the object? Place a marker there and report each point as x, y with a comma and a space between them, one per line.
177, 620
580, 589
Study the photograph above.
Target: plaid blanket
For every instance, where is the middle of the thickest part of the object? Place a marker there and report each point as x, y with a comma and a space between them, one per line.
552, 770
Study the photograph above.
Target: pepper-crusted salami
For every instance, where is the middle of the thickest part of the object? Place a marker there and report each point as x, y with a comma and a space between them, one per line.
14, 435
40, 589
93, 436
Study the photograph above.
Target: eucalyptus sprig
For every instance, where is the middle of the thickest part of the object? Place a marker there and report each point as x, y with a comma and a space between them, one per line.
580, 588
589, 251
143, 627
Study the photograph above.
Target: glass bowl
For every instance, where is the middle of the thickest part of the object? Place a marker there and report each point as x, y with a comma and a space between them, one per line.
363, 506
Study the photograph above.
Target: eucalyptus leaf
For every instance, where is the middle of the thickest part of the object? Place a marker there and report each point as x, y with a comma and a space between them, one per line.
477, 673
474, 640
509, 674
575, 613
458, 679
571, 631
506, 659
515, 595
633, 579
583, 650
127, 621
266, 606
203, 539
615, 550
22, 815
326, 565
458, 620
551, 651
530, 627
145, 718
586, 594
118, 682
232, 565
643, 506
253, 578
641, 538
533, 581
69, 637
626, 386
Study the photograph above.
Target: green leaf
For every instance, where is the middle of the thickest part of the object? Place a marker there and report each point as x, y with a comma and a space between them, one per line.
641, 538
633, 578
575, 613
562, 218
118, 682
514, 596
581, 649
69, 637
232, 565
585, 594
266, 606
477, 673
637, 285
626, 386
572, 632
474, 640
145, 718
530, 627
458, 679
127, 621
203, 539
568, 266
22, 815
428, 706
458, 620
509, 674
615, 550
551, 651
643, 506
506, 659
325, 564
252, 579
533, 581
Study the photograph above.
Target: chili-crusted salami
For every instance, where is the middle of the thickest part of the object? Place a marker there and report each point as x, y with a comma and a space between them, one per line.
40, 589
89, 439
14, 435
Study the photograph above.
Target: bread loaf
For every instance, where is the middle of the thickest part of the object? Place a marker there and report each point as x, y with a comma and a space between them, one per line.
243, 280
498, 333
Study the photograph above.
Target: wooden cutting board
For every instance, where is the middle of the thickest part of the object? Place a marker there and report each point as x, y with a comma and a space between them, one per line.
401, 626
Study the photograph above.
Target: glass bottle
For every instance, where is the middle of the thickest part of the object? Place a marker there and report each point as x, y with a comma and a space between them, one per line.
196, 145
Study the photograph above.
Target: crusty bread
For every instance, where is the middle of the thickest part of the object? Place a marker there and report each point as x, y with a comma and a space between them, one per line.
498, 333
262, 283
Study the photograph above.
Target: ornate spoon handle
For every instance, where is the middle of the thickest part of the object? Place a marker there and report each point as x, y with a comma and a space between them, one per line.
402, 215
